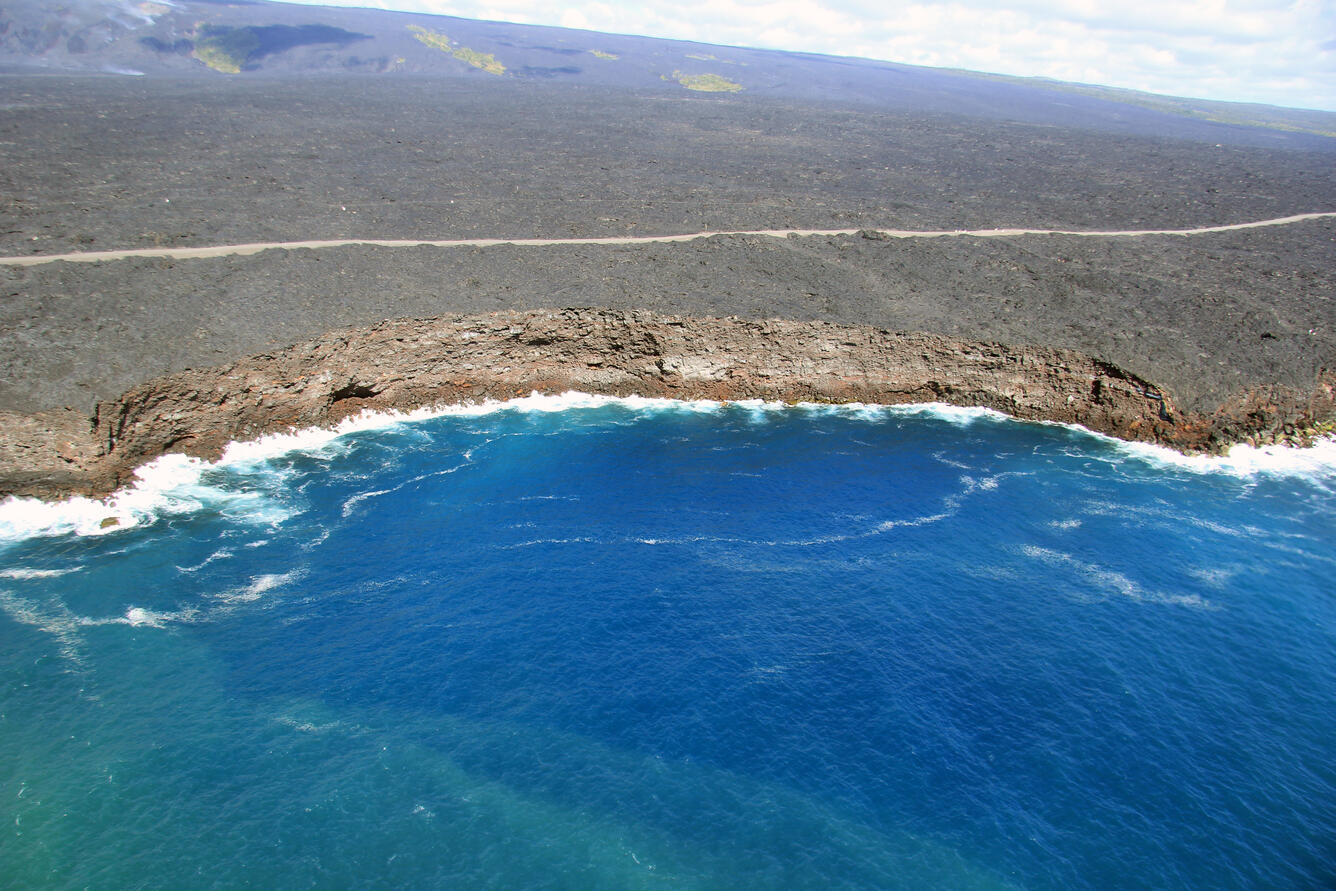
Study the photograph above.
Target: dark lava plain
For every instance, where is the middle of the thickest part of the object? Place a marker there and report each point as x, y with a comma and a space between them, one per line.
102, 163
136, 162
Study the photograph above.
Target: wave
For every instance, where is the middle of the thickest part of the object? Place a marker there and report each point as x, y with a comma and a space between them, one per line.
167, 486
138, 616
259, 586
66, 628
1103, 582
1315, 461
177, 484
23, 573
50, 615
221, 554
350, 506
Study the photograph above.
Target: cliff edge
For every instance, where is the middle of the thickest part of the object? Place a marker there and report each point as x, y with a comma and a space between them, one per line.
406, 364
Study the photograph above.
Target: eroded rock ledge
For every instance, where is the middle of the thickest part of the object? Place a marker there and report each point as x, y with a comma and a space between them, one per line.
405, 364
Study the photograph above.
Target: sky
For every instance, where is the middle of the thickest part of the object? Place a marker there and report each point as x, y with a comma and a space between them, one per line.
1281, 52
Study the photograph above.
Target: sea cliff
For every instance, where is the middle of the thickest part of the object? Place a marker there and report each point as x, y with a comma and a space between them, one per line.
410, 363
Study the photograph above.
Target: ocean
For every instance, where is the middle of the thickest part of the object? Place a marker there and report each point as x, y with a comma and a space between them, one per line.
583, 642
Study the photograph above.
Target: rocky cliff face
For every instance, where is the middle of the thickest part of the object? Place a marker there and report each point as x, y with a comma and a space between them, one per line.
406, 364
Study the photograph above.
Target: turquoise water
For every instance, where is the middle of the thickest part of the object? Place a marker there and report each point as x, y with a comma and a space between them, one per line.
587, 643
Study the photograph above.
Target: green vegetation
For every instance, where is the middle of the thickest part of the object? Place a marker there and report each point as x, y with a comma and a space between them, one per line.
225, 49
433, 39
486, 61
610, 57
436, 40
706, 83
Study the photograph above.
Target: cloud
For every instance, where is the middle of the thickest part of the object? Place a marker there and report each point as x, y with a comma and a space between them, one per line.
1274, 51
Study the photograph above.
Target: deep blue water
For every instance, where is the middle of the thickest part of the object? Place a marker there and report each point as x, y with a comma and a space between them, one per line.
632, 645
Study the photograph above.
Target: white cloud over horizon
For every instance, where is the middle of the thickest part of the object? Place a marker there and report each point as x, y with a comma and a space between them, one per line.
1281, 52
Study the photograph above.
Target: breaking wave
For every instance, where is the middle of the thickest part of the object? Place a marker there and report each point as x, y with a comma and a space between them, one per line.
236, 483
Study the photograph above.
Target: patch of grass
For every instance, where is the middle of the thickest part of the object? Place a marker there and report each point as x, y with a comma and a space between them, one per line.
225, 49
436, 40
486, 61
706, 83
433, 39
609, 57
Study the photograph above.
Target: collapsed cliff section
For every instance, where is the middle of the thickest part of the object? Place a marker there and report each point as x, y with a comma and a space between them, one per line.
405, 364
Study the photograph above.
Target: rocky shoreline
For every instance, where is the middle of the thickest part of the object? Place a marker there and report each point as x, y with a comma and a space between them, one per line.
406, 364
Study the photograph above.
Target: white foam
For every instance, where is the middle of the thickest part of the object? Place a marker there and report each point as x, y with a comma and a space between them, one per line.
136, 616
351, 504
538, 542
166, 486
952, 503
1215, 576
950, 506
926, 520
23, 573
221, 554
314, 439
55, 620
307, 726
1315, 461
171, 484
698, 539
259, 586
267, 582
214, 604
960, 415
52, 617
1110, 581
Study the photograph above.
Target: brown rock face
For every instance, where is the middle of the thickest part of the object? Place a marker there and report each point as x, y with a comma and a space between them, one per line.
410, 363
